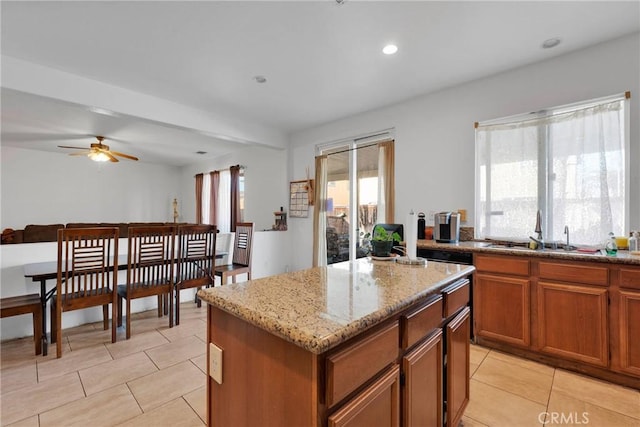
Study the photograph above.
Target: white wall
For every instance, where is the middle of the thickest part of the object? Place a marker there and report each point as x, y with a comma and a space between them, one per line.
48, 188
434, 133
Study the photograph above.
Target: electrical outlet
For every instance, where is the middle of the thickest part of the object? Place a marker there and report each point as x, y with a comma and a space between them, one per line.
215, 362
463, 215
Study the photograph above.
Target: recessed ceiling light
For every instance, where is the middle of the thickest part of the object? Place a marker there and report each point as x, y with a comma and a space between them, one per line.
390, 49
260, 79
549, 43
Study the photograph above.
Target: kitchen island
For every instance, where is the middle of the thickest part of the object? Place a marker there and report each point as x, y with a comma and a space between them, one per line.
329, 346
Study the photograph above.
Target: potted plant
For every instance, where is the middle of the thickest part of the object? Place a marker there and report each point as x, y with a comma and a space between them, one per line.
382, 242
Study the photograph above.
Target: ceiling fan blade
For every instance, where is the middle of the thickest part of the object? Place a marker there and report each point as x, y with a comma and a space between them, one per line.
75, 148
80, 153
126, 156
111, 157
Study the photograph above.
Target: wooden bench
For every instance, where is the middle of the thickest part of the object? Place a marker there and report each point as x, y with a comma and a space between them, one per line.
25, 304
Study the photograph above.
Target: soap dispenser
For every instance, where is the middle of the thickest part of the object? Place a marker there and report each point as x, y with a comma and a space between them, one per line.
633, 242
610, 246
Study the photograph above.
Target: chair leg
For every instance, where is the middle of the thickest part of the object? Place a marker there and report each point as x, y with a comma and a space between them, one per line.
170, 298
160, 305
59, 331
105, 316
119, 310
54, 322
128, 318
37, 330
177, 305
114, 320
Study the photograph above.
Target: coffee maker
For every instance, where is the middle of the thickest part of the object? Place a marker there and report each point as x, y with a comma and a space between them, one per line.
447, 227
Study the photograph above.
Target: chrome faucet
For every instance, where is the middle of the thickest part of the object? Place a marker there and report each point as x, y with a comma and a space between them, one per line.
568, 247
539, 240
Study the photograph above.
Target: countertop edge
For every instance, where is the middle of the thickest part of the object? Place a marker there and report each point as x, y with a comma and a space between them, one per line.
473, 246
319, 345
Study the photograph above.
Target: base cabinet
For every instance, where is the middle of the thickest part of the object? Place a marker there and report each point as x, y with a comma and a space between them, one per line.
377, 405
629, 314
503, 308
573, 322
457, 336
422, 392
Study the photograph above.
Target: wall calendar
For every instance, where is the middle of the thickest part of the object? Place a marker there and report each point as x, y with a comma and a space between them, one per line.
300, 196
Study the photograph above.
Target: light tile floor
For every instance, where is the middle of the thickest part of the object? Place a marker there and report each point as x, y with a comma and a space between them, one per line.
157, 378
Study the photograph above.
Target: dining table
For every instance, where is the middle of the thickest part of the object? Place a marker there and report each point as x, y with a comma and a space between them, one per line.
41, 272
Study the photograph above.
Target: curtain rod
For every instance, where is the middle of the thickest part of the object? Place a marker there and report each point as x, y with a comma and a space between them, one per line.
358, 147
222, 170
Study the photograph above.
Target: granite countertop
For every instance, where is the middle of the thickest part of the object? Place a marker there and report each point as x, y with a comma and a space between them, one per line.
321, 307
622, 257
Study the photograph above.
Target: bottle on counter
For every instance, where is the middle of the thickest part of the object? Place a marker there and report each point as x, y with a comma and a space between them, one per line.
610, 246
633, 242
421, 225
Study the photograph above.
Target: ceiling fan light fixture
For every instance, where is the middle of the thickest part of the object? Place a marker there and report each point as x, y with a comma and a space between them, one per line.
98, 156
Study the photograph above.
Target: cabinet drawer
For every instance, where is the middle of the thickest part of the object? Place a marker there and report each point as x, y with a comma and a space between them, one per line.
377, 405
630, 278
455, 297
351, 367
504, 265
582, 274
420, 322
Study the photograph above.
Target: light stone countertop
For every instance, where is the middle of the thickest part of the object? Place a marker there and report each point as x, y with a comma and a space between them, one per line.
622, 257
321, 307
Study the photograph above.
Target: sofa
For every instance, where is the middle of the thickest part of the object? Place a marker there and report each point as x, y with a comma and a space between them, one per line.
36, 233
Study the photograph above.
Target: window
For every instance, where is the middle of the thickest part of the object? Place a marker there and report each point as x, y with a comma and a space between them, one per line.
569, 162
217, 185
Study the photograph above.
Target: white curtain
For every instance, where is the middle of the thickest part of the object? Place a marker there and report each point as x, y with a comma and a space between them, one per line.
568, 162
206, 198
224, 202
320, 214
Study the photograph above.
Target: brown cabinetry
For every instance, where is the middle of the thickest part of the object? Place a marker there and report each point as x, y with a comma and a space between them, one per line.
422, 398
572, 322
502, 300
377, 405
574, 314
457, 333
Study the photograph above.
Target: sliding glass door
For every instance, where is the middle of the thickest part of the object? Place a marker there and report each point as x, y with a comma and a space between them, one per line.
352, 199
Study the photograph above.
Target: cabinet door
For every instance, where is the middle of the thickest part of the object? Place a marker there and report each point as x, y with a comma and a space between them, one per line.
630, 332
457, 368
377, 405
502, 309
422, 391
572, 322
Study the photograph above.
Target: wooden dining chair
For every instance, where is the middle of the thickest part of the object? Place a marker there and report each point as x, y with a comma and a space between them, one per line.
241, 261
150, 259
87, 276
195, 260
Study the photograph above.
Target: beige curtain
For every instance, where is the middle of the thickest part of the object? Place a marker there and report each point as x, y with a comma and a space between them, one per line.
386, 187
199, 179
213, 200
320, 213
235, 196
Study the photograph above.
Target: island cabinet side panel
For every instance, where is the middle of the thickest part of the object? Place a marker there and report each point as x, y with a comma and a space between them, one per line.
266, 380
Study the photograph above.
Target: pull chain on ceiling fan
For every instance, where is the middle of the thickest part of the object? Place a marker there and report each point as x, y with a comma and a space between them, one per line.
99, 152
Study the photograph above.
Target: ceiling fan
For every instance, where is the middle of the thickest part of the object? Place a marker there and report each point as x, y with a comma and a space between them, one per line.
99, 152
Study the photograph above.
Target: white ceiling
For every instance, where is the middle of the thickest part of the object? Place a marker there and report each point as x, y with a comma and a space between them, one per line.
322, 61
